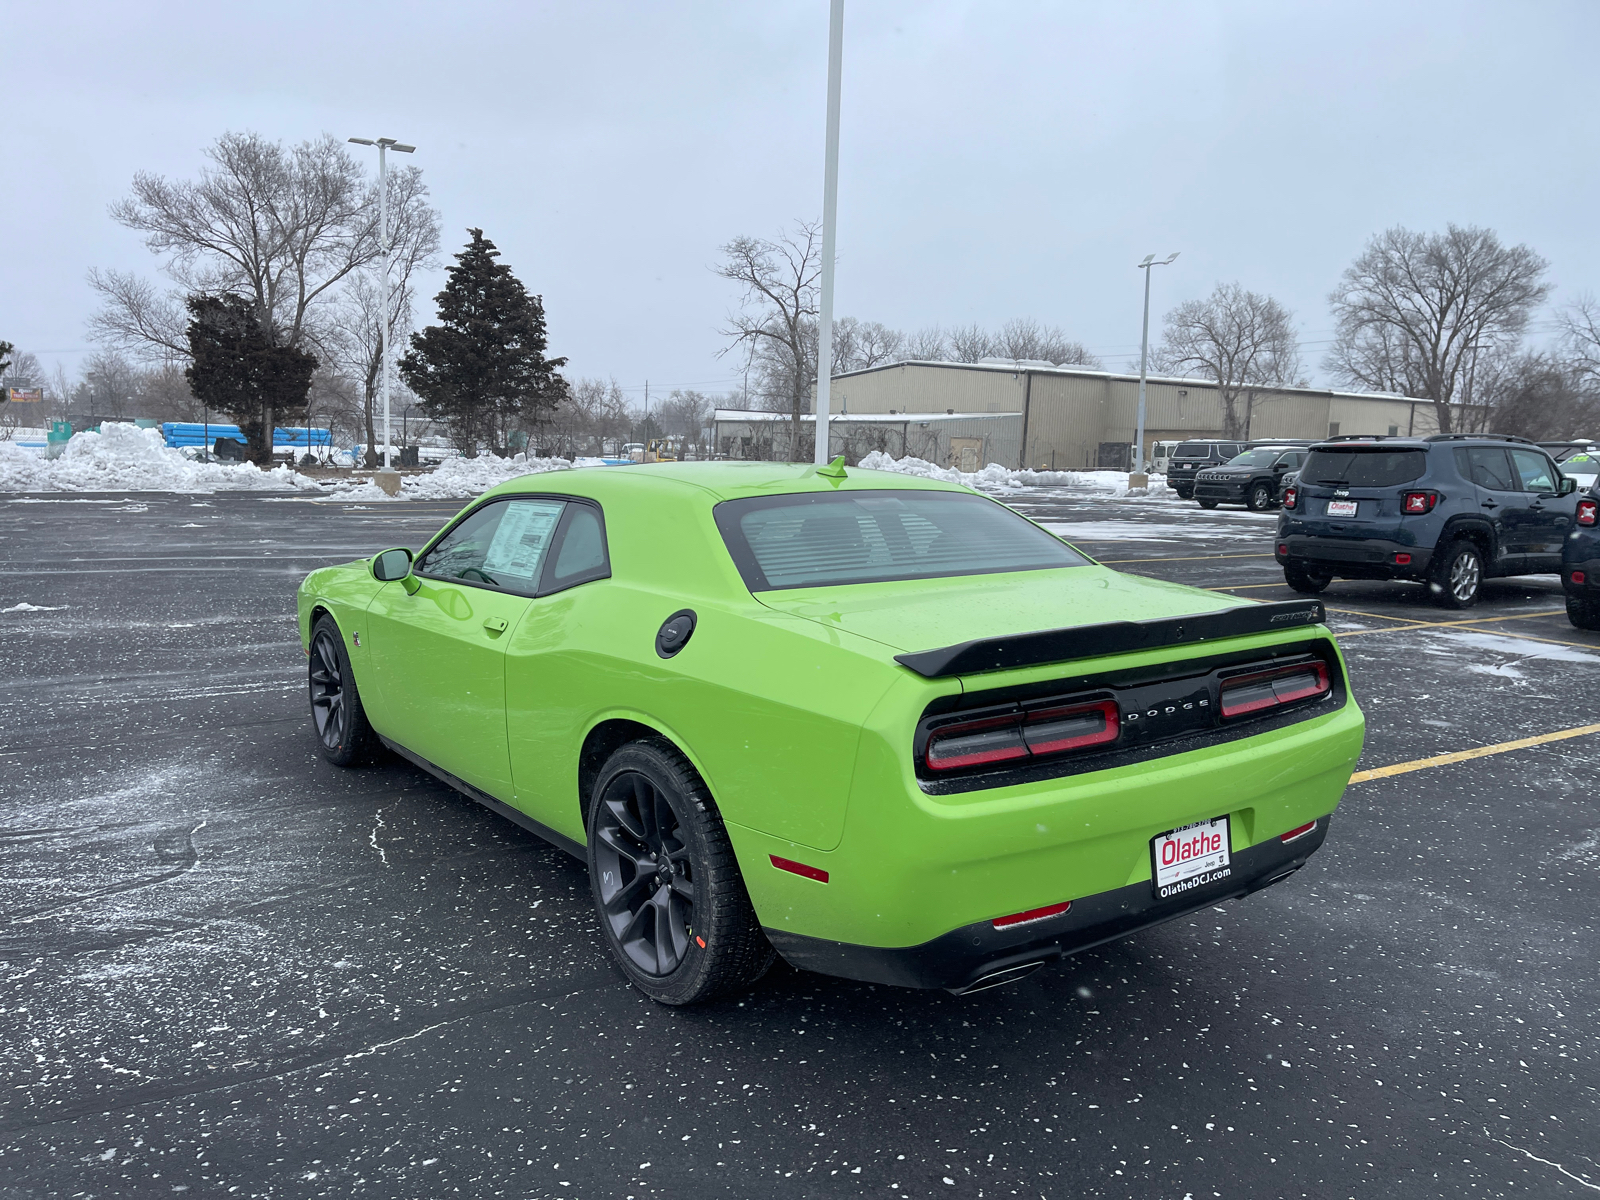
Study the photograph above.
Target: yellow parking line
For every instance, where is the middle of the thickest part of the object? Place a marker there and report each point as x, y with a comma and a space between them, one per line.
1445, 624
1528, 637
1196, 558
1441, 760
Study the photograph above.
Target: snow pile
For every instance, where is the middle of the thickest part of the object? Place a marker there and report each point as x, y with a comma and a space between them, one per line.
124, 458
995, 478
459, 478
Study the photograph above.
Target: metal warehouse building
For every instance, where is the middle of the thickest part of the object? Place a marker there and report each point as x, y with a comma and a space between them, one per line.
1061, 417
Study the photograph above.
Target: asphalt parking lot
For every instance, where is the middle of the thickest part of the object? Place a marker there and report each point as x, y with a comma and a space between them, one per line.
230, 969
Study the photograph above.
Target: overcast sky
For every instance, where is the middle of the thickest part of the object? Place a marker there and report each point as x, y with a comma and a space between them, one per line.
998, 159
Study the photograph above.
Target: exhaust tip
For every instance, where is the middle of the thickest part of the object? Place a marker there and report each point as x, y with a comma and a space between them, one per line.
998, 978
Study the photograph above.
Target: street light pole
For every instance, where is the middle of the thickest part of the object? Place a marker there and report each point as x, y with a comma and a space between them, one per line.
1144, 356
830, 215
384, 145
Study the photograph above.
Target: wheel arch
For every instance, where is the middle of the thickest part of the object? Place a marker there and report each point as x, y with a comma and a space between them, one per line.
1473, 529
608, 735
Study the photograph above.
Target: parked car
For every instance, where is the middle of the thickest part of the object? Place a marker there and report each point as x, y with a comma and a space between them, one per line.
1252, 479
1189, 458
1580, 563
1579, 461
1449, 510
1161, 456
883, 726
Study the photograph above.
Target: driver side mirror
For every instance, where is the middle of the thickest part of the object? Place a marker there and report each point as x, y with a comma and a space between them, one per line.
391, 565
1568, 485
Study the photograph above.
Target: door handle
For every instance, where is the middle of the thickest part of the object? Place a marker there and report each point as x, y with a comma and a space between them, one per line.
494, 624
1490, 504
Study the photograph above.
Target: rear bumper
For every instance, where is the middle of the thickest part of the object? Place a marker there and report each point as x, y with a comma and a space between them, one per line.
1589, 589
973, 954
1352, 558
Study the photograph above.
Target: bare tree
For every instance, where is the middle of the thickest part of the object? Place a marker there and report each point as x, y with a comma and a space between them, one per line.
1414, 311
928, 344
1538, 395
970, 344
1023, 338
778, 282
1580, 335
1242, 339
279, 226
858, 345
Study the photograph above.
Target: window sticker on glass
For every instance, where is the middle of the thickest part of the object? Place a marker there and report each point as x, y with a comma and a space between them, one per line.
522, 538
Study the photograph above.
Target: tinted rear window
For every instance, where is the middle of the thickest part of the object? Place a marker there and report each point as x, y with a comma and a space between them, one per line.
1193, 450
1364, 468
809, 540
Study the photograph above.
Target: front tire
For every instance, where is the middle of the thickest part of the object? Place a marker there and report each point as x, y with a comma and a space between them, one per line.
1259, 498
1305, 581
344, 736
1457, 575
1584, 614
672, 904
1208, 503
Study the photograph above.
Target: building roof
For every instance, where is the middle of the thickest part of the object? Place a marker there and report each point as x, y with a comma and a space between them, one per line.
760, 416
1029, 367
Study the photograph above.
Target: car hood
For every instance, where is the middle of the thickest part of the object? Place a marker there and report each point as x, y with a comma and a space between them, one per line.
927, 614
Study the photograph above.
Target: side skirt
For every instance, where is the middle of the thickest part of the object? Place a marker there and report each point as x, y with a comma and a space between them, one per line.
514, 815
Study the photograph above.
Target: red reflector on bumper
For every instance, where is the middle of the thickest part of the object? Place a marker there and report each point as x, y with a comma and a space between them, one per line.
1297, 833
1578, 577
1033, 914
1402, 560
788, 864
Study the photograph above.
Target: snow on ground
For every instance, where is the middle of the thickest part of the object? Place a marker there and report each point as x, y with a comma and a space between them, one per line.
460, 478
1511, 646
995, 478
123, 457
1143, 531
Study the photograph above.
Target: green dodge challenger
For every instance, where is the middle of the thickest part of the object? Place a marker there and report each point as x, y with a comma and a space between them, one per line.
883, 726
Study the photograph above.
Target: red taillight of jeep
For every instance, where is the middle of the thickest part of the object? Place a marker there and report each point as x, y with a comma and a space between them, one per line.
1418, 502
1588, 510
993, 740
1290, 495
1263, 690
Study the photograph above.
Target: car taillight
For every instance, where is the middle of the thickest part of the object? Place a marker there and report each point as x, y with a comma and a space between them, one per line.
1023, 735
1270, 689
1587, 511
1418, 502
1290, 495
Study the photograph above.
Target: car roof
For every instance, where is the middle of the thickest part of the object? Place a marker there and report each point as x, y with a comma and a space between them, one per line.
725, 480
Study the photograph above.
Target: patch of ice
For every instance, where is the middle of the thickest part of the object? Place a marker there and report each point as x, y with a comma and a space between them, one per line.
123, 457
24, 606
1509, 644
995, 478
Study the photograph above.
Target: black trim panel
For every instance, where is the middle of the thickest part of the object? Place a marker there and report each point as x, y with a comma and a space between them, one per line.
958, 959
514, 815
1112, 637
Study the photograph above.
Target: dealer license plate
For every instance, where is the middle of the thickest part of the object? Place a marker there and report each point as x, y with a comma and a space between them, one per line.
1341, 508
1191, 857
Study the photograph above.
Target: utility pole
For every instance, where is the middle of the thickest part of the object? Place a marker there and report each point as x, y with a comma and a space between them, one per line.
391, 479
1144, 355
830, 219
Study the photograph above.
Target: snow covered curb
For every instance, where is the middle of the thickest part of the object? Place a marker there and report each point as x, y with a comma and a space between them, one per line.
125, 458
460, 478
995, 478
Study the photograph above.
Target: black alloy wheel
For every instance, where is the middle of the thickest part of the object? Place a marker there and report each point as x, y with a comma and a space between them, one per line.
672, 903
646, 874
1259, 498
1457, 575
343, 735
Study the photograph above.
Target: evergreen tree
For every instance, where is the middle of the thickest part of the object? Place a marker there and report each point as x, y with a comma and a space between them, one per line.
236, 368
482, 369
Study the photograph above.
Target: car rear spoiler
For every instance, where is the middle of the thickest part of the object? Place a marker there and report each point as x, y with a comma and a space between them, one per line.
1113, 637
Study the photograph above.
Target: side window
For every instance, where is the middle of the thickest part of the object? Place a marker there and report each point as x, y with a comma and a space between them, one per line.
1491, 468
1533, 470
580, 553
501, 545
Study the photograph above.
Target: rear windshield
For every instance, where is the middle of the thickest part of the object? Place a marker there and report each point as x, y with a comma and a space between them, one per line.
809, 540
1196, 449
1364, 467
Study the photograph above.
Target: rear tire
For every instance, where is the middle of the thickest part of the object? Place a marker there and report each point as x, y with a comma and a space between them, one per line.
672, 904
1457, 576
1305, 581
1259, 497
1208, 503
344, 736
1584, 614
